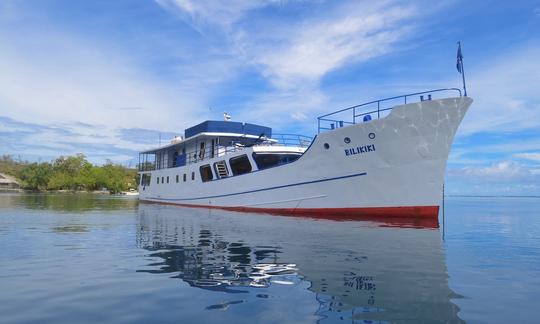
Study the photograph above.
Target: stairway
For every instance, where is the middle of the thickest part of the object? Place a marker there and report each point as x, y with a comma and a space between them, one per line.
221, 169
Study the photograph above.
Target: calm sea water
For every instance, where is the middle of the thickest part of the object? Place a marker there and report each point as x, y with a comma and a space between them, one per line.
76, 258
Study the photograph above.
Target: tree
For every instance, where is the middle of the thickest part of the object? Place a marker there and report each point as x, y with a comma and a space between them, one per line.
71, 173
36, 176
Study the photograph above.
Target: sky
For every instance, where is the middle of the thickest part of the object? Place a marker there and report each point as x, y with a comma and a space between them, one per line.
110, 78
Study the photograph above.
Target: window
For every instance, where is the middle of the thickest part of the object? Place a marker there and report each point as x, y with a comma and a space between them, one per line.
177, 178
192, 175
185, 177
240, 165
167, 179
162, 180
157, 178
145, 181
206, 173
267, 160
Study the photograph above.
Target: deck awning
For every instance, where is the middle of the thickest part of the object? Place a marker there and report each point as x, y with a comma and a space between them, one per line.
215, 126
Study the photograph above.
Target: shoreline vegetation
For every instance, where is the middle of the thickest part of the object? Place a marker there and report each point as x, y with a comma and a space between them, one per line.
70, 174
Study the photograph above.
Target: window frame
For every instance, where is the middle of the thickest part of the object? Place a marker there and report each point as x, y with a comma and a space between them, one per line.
282, 159
232, 162
208, 171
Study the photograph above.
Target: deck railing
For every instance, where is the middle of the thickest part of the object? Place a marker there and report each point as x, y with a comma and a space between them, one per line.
290, 140
377, 108
207, 153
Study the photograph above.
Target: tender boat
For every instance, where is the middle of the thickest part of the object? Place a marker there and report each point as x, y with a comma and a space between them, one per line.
384, 158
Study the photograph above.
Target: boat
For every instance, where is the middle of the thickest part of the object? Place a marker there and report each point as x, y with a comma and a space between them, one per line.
383, 158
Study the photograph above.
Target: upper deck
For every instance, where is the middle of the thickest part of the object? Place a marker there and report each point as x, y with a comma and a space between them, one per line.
217, 138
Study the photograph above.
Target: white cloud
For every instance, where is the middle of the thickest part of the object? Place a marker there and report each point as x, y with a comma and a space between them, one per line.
533, 156
503, 177
69, 81
500, 170
218, 12
505, 89
295, 51
295, 48
306, 52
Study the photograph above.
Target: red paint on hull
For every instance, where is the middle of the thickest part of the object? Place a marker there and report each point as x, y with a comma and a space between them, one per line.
410, 216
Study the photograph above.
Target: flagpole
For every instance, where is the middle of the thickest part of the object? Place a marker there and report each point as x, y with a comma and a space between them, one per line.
462, 71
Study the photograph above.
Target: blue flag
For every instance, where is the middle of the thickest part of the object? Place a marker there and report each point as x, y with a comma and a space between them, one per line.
459, 64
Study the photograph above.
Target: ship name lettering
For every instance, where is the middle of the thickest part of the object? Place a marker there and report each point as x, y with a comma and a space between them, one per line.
360, 150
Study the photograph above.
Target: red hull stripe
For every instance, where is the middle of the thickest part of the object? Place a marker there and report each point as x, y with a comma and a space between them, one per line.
422, 215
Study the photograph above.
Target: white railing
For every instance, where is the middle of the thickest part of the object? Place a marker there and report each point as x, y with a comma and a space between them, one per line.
375, 109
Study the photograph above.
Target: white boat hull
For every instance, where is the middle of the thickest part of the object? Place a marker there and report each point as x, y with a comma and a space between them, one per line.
393, 166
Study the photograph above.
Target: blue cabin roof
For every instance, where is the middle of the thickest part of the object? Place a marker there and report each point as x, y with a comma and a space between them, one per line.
215, 126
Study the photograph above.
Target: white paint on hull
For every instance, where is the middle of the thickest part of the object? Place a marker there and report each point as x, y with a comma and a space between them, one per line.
405, 168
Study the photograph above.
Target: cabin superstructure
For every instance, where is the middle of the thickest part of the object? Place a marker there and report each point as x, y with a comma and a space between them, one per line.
221, 149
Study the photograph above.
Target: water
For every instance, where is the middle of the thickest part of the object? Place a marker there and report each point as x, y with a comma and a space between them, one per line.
87, 258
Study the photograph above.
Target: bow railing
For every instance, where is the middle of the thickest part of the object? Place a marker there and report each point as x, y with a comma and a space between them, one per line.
373, 109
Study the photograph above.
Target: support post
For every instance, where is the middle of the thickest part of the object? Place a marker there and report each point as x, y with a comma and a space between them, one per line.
444, 227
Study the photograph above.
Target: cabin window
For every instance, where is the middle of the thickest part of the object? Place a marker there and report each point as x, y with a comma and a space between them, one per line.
192, 175
267, 160
162, 180
145, 179
167, 179
240, 165
185, 176
206, 173
220, 167
177, 178
157, 178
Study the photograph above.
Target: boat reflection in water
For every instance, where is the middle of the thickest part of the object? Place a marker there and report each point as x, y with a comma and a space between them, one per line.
355, 270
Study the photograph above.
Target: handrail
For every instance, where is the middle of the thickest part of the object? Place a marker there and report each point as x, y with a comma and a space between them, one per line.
339, 123
290, 140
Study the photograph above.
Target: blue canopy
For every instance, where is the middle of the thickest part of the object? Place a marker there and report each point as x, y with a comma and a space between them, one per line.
215, 126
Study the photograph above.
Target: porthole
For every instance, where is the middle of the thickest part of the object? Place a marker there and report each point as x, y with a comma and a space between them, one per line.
326, 146
371, 135
347, 140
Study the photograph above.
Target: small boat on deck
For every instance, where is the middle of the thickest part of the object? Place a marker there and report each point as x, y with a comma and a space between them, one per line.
384, 158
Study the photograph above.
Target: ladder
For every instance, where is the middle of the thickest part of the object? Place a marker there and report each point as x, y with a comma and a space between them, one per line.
221, 169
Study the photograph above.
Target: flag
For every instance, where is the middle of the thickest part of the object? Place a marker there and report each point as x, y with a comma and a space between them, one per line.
459, 63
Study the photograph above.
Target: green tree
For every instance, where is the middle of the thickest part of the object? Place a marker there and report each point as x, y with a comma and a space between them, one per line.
71, 173
36, 176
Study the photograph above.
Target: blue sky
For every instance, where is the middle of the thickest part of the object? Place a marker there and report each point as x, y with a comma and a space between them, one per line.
105, 78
